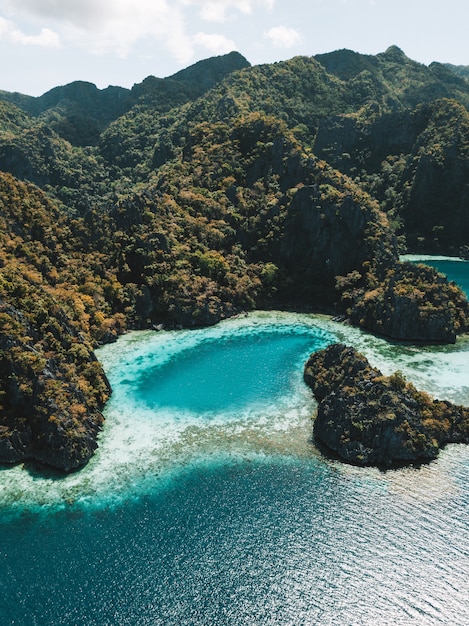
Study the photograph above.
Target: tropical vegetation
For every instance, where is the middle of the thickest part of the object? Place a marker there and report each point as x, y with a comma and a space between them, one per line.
223, 188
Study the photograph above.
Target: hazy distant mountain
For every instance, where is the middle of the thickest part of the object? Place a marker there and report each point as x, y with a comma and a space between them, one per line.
80, 111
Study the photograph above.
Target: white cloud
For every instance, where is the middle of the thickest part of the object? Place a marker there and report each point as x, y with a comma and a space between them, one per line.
283, 37
126, 25
82, 13
219, 10
47, 38
137, 17
117, 27
111, 26
216, 44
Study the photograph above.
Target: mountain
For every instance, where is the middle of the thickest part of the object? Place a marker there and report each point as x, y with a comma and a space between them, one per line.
80, 111
459, 70
222, 188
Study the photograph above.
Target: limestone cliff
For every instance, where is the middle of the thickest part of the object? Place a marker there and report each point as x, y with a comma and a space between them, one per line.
371, 419
408, 302
51, 391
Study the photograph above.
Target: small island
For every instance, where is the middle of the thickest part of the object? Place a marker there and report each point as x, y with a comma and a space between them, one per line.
370, 419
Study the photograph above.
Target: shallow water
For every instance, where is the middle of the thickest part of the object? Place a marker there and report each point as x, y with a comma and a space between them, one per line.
226, 373
207, 503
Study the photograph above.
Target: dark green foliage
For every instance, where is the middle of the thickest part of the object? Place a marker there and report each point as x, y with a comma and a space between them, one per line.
393, 80
416, 162
434, 194
459, 70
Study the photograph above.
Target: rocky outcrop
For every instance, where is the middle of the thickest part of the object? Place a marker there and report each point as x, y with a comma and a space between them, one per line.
410, 302
371, 419
51, 392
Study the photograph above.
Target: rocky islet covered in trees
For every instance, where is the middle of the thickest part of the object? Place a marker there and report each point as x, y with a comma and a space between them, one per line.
370, 419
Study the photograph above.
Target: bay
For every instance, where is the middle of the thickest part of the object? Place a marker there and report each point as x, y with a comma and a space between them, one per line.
207, 502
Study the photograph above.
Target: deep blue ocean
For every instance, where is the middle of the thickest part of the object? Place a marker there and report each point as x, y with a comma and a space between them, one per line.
208, 504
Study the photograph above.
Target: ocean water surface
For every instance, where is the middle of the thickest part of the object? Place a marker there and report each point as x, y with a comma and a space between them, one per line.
208, 504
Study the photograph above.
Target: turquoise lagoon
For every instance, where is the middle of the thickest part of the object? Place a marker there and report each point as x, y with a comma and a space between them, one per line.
208, 504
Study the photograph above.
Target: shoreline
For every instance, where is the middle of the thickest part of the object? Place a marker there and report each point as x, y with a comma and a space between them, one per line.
432, 257
135, 453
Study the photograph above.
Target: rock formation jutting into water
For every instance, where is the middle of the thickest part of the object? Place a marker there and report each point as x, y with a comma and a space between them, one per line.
371, 419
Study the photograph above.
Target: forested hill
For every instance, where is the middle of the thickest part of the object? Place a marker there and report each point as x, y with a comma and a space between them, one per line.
223, 188
80, 111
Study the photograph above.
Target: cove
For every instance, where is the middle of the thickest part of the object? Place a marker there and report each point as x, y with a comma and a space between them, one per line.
199, 510
180, 396
229, 374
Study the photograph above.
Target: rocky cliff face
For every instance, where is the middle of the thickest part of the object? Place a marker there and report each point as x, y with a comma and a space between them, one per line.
414, 161
50, 401
408, 302
371, 419
326, 236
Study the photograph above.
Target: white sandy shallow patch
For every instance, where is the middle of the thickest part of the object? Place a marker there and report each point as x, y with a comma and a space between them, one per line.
415, 258
441, 370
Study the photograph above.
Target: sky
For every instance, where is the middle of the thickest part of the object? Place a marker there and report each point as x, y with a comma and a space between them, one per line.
47, 43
